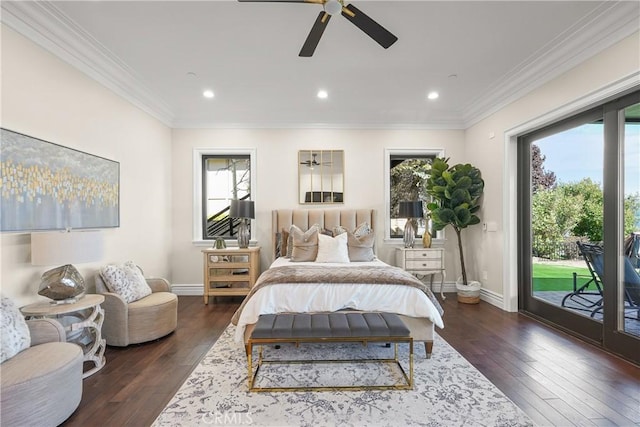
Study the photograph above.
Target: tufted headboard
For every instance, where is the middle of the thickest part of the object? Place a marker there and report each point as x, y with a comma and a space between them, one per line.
327, 218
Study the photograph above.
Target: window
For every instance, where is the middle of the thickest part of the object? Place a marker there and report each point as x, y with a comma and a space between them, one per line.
219, 177
407, 174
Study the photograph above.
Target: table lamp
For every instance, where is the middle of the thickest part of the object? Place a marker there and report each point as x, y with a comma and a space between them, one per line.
410, 210
244, 210
64, 284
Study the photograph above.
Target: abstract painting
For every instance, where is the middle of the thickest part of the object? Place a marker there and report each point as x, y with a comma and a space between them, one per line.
45, 186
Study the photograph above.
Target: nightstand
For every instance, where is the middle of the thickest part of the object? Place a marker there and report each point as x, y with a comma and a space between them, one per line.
82, 321
423, 262
230, 272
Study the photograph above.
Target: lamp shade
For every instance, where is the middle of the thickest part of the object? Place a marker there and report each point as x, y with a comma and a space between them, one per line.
411, 209
242, 209
66, 247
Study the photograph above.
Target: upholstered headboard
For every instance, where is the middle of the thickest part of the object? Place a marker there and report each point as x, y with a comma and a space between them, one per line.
327, 218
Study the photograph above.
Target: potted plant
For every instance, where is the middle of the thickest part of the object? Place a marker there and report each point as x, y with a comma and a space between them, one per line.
456, 192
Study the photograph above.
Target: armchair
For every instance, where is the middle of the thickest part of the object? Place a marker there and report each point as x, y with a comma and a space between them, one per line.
42, 385
146, 319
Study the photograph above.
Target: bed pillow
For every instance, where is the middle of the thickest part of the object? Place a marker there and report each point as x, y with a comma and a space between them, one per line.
14, 331
360, 248
279, 250
125, 280
304, 244
360, 242
361, 230
332, 249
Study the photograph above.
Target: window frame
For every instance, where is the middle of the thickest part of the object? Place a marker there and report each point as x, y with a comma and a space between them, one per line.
439, 238
198, 165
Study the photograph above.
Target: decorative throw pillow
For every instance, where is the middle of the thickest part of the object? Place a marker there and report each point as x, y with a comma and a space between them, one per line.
278, 245
338, 230
125, 280
361, 248
332, 249
326, 232
304, 244
14, 332
363, 229
287, 243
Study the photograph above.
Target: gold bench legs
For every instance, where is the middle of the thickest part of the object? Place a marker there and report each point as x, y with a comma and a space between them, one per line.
252, 376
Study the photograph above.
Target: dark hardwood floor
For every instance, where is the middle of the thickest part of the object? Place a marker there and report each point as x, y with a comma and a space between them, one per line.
555, 378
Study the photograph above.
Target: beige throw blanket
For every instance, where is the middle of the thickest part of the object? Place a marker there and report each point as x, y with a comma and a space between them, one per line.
318, 274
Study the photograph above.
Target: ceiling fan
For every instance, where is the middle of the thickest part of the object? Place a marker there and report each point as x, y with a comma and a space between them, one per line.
333, 7
313, 161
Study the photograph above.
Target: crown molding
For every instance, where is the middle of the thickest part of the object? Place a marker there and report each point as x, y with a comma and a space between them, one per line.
608, 24
47, 26
441, 124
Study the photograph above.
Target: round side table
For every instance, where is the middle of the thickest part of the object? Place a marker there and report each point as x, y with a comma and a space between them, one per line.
82, 321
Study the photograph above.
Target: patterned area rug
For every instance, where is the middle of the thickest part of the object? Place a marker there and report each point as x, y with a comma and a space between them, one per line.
448, 390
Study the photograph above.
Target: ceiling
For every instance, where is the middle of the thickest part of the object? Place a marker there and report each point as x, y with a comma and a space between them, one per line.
479, 56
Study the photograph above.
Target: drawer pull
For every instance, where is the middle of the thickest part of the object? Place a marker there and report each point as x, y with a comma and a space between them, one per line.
424, 254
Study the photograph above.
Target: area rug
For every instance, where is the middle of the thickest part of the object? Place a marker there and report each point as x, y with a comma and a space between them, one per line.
448, 390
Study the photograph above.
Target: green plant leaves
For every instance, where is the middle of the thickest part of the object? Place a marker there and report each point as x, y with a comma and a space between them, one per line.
456, 193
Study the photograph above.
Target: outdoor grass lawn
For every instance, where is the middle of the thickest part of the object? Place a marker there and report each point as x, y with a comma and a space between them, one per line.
549, 277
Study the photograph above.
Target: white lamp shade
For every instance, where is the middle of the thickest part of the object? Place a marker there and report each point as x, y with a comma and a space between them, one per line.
66, 247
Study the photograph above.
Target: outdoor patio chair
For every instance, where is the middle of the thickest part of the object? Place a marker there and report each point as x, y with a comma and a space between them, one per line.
632, 248
593, 256
589, 295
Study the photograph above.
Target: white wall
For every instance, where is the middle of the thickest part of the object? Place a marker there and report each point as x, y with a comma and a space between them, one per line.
46, 98
487, 250
277, 179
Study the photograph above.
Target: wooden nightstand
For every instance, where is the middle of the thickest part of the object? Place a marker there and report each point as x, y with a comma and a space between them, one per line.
423, 262
230, 272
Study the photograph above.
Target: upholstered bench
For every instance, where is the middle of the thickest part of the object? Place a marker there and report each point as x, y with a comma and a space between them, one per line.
330, 328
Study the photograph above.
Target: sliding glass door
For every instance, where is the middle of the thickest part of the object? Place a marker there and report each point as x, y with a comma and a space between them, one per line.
579, 204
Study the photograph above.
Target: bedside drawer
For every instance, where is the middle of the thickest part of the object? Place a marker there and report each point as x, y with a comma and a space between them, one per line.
417, 255
423, 264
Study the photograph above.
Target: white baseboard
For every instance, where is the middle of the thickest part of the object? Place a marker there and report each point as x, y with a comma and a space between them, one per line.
492, 298
485, 294
188, 290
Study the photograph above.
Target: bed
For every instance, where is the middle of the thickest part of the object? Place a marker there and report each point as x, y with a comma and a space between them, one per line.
310, 286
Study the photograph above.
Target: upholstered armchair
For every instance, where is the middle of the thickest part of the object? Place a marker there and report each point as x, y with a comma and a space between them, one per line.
42, 384
146, 319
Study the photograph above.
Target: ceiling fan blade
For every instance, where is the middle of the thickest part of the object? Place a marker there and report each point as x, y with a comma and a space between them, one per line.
369, 26
313, 38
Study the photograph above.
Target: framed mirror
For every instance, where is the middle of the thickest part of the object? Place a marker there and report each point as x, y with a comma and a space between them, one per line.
321, 176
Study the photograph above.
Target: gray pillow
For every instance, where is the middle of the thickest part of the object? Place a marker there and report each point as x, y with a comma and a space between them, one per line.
304, 244
361, 248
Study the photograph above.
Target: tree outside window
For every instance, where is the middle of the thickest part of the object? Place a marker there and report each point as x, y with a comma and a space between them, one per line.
224, 178
408, 175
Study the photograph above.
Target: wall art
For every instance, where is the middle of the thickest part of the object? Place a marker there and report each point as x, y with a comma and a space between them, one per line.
45, 186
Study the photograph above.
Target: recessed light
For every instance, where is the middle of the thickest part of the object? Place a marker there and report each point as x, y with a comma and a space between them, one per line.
323, 94
433, 95
208, 94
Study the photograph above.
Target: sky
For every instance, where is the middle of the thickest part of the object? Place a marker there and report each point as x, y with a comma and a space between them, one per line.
578, 153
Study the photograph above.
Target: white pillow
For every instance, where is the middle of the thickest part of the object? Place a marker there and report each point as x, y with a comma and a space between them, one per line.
14, 332
125, 280
332, 249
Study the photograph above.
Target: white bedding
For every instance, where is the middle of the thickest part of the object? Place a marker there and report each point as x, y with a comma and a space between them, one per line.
305, 298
